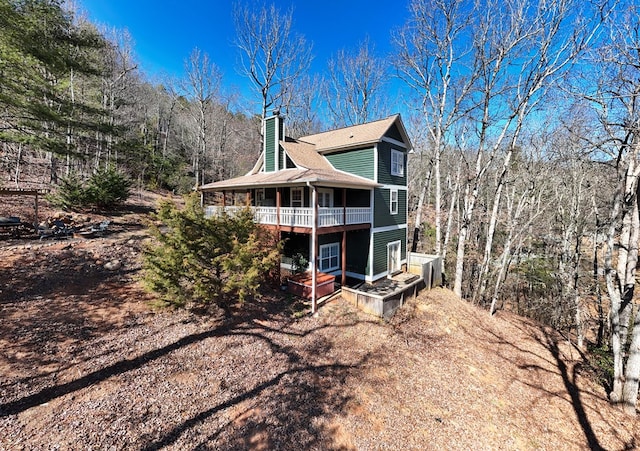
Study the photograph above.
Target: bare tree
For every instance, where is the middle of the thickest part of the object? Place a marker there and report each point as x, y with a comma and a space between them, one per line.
354, 86
302, 112
545, 40
616, 101
201, 87
120, 68
432, 48
476, 84
272, 56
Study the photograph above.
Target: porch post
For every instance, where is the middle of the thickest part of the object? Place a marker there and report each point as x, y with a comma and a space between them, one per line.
278, 205
314, 250
224, 198
343, 280
344, 206
247, 199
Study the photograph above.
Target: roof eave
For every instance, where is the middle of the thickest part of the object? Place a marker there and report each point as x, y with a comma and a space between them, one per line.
316, 181
349, 146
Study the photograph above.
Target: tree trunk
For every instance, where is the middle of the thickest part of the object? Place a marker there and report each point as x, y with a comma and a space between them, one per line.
486, 259
621, 284
417, 227
632, 373
438, 200
467, 214
18, 159
455, 194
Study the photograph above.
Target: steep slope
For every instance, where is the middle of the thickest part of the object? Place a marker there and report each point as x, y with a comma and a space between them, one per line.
446, 375
85, 363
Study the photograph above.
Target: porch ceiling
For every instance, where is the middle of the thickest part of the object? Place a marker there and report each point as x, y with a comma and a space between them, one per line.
293, 177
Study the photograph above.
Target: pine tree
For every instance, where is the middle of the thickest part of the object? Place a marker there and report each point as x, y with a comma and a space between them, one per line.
197, 261
40, 49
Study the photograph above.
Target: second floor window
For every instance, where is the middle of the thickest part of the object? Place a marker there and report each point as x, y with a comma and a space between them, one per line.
393, 204
397, 163
260, 196
296, 197
325, 198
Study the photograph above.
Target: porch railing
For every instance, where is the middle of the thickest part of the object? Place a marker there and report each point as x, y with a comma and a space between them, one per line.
301, 217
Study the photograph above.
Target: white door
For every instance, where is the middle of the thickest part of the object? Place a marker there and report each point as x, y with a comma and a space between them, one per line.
393, 257
325, 198
296, 197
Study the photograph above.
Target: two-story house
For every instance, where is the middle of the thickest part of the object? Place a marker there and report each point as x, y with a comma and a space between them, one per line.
338, 198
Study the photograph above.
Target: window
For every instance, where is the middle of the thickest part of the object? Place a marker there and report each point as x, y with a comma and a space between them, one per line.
329, 257
397, 163
260, 197
393, 203
325, 198
296, 197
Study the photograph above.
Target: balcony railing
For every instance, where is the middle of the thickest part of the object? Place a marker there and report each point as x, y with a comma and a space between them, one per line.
301, 217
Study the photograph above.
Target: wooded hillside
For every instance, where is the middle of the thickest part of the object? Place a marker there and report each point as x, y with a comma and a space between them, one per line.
523, 114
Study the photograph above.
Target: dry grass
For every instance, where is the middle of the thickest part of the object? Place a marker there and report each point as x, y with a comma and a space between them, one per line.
86, 364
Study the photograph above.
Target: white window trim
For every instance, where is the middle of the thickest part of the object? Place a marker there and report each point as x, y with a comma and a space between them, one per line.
393, 211
320, 259
260, 196
399, 259
301, 190
330, 193
397, 167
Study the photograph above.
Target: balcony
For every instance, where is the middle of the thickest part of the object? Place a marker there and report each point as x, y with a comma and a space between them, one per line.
301, 217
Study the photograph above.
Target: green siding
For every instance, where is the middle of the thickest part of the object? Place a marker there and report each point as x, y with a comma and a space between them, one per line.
358, 251
359, 162
382, 216
384, 165
380, 241
329, 238
394, 133
269, 140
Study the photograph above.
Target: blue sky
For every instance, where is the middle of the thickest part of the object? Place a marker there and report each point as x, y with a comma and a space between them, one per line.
165, 32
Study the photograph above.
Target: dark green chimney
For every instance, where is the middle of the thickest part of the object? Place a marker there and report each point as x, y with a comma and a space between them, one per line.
273, 133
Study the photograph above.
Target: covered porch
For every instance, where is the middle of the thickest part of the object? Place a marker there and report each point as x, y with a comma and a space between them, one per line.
303, 202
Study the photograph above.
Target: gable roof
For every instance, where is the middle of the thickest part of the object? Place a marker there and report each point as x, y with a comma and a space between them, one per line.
311, 165
356, 135
304, 155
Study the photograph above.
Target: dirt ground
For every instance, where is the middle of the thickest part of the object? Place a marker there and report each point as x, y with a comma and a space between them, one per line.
86, 363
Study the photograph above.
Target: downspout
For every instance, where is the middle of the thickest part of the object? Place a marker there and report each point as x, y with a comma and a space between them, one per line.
343, 279
314, 248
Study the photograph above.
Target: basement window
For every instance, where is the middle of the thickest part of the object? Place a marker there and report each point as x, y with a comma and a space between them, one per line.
329, 257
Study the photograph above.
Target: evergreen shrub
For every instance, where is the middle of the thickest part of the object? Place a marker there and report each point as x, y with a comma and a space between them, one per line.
196, 261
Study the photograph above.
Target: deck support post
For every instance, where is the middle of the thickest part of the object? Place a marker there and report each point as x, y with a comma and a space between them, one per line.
343, 263
278, 205
314, 251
